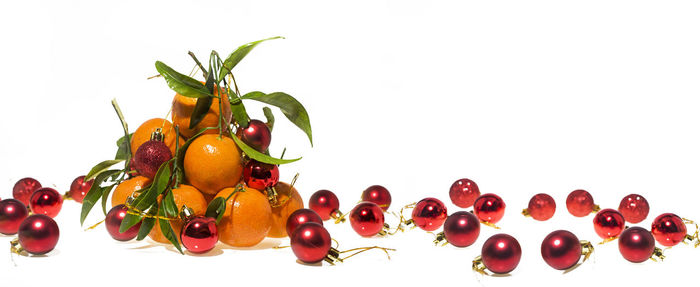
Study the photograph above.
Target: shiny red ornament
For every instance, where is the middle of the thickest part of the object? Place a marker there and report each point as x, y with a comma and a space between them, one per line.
325, 204
38, 234
367, 219
462, 229
257, 135
634, 208
501, 253
608, 223
668, 229
379, 195
79, 188
541, 207
580, 203
464, 192
636, 244
561, 249
150, 156
12, 213
429, 214
24, 188
310, 242
113, 221
301, 216
199, 235
259, 175
489, 208
46, 201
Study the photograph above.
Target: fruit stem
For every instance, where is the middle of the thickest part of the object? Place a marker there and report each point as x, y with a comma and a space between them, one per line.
204, 71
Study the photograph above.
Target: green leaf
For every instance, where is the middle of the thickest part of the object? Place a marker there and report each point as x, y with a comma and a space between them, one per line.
169, 209
159, 185
270, 117
216, 209
125, 126
101, 167
124, 145
105, 194
261, 157
182, 84
129, 221
146, 227
94, 193
200, 111
238, 110
236, 56
290, 107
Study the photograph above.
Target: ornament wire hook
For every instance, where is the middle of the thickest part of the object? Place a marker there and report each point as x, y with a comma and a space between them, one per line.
402, 220
586, 249
478, 265
658, 255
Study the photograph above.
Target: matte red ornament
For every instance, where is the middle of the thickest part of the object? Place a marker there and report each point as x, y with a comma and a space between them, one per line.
24, 188
199, 235
541, 207
608, 223
489, 208
12, 213
461, 229
46, 201
379, 195
257, 135
464, 192
113, 221
500, 254
38, 234
668, 229
561, 249
634, 208
367, 219
580, 203
150, 156
301, 216
310, 242
429, 214
326, 204
260, 176
79, 188
636, 244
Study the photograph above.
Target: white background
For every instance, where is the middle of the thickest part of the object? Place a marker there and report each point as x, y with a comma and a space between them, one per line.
521, 96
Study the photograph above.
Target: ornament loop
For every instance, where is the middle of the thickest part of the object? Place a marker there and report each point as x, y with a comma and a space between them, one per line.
186, 212
338, 216
16, 248
478, 265
157, 135
586, 249
272, 196
333, 256
596, 208
440, 238
658, 255
403, 223
526, 212
385, 230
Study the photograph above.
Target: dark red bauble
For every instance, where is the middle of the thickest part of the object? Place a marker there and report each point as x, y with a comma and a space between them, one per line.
150, 156
113, 221
301, 216
38, 234
636, 244
580, 203
24, 188
464, 192
541, 207
429, 214
634, 208
257, 135
367, 219
79, 188
324, 203
310, 242
561, 249
501, 253
608, 223
489, 208
12, 213
668, 229
259, 175
462, 228
199, 235
46, 201
379, 195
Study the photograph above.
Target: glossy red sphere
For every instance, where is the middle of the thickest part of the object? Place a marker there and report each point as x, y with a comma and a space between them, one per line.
561, 249
541, 207
113, 221
257, 135
464, 192
501, 253
489, 208
462, 229
668, 229
12, 213
310, 242
38, 234
379, 195
608, 223
634, 208
259, 175
367, 219
79, 188
46, 201
324, 203
580, 203
199, 235
24, 188
429, 214
150, 156
636, 244
301, 216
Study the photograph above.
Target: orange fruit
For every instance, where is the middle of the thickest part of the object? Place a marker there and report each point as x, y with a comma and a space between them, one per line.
127, 187
212, 163
184, 106
247, 219
183, 195
143, 134
289, 201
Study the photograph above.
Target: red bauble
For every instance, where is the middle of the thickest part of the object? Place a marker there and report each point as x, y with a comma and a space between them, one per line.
379, 195
561, 249
464, 192
489, 208
24, 188
429, 214
199, 235
38, 234
634, 208
608, 223
324, 203
79, 188
150, 156
113, 221
310, 242
301, 216
367, 219
580, 203
541, 207
636, 244
257, 135
46, 201
462, 229
668, 229
258, 175
501, 253
12, 213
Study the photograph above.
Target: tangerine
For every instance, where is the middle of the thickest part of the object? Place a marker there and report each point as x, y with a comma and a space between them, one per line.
183, 195
213, 163
127, 188
247, 219
184, 106
290, 201
143, 134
